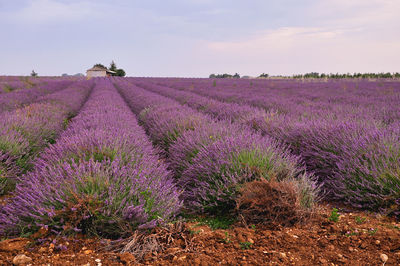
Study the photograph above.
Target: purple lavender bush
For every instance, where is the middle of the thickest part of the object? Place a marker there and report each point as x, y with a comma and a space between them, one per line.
101, 177
213, 179
17, 99
368, 174
211, 160
345, 131
26, 131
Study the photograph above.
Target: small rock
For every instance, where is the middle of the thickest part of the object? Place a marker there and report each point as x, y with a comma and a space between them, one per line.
323, 261
282, 255
340, 256
51, 246
351, 249
84, 248
377, 242
244, 258
87, 252
384, 258
295, 236
182, 258
97, 260
251, 240
21, 259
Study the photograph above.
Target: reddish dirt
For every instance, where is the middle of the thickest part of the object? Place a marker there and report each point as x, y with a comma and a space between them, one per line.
350, 241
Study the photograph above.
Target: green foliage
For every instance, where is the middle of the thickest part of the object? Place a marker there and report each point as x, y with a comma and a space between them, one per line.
224, 76
254, 162
245, 245
334, 217
316, 75
390, 226
194, 232
360, 220
348, 234
113, 66
227, 238
217, 222
99, 65
373, 231
8, 88
120, 72
34, 74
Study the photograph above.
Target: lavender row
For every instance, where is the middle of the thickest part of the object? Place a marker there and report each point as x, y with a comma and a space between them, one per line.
244, 114
17, 99
377, 100
26, 131
212, 160
101, 177
355, 156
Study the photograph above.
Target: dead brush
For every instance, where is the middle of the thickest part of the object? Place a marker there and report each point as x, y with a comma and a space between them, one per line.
270, 203
153, 242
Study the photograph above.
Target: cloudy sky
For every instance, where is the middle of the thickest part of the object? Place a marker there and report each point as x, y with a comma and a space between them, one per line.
193, 38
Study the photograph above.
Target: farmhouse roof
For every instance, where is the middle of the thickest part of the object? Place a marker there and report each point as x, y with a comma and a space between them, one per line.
98, 68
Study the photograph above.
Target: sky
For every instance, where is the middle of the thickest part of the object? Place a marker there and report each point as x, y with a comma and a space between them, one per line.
194, 38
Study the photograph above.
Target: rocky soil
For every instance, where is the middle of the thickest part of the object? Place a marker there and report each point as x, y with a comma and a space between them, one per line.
357, 238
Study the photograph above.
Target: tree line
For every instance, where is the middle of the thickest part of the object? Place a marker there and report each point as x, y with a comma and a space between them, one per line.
224, 76
317, 75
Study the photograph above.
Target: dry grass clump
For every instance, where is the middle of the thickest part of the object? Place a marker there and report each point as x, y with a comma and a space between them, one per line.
271, 203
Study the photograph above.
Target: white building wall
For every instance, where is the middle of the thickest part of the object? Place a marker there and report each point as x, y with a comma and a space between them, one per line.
97, 73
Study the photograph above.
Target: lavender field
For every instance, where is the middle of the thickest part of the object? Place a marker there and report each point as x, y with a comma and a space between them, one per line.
108, 156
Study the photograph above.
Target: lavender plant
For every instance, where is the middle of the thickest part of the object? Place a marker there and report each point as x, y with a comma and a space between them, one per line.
211, 170
102, 177
26, 131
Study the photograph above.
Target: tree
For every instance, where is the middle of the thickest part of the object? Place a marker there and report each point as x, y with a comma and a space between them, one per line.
236, 76
113, 66
34, 74
99, 65
120, 72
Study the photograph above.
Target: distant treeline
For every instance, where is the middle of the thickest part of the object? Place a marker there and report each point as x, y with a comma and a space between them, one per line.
347, 75
224, 76
317, 75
